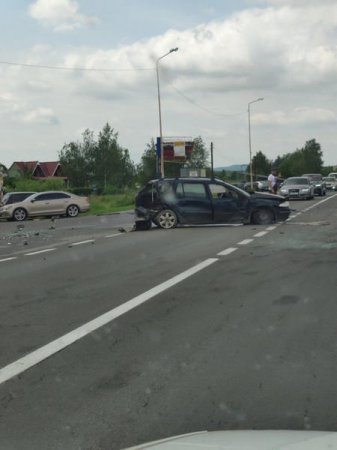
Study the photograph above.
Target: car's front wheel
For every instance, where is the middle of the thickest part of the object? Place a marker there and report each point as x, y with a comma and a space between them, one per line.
263, 217
166, 219
73, 211
19, 214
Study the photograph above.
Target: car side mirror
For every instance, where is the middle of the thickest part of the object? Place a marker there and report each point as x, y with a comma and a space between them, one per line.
32, 201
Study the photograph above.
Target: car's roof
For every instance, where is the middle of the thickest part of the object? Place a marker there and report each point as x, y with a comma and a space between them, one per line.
186, 179
53, 192
21, 192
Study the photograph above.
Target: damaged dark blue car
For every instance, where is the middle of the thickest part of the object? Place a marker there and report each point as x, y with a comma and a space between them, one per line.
170, 202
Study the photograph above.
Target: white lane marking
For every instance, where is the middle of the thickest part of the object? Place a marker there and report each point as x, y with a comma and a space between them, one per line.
42, 353
245, 242
113, 235
261, 233
40, 251
319, 203
271, 228
8, 259
227, 251
88, 241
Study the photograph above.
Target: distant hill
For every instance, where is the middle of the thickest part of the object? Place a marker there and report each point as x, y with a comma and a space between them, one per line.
232, 168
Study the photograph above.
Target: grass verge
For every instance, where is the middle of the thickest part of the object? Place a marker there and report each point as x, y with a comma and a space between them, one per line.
105, 204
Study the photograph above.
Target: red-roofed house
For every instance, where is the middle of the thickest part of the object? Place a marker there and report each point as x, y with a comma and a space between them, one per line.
20, 168
37, 170
50, 169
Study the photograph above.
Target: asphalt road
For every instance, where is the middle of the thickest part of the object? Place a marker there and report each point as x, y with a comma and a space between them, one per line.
228, 328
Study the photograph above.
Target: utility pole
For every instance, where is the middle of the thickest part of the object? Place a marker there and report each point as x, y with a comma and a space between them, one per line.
212, 166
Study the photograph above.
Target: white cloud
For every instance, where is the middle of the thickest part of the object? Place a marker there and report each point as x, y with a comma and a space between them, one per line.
61, 15
259, 49
286, 54
40, 115
298, 116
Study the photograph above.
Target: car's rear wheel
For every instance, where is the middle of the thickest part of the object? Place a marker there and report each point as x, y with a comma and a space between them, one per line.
73, 211
263, 217
166, 219
19, 214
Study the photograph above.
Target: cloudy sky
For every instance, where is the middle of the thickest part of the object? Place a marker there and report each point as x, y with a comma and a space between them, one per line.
231, 52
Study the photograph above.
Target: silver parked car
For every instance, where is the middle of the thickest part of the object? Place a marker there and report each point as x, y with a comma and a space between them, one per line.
330, 183
316, 180
46, 204
297, 187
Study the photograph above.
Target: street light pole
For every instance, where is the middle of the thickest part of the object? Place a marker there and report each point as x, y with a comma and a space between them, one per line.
159, 107
250, 142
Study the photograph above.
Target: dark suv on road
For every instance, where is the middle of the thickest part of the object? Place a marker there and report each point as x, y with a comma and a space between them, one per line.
171, 201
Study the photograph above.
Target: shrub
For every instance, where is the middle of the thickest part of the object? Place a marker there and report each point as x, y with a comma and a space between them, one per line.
81, 190
39, 185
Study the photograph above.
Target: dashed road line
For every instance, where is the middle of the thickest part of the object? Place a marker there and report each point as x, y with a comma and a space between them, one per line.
227, 251
32, 359
88, 241
272, 228
260, 234
40, 251
245, 242
113, 235
8, 259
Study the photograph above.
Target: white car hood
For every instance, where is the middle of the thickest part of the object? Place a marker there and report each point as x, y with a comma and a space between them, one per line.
247, 440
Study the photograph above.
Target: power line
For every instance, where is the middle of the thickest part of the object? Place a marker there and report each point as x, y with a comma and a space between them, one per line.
193, 102
82, 69
136, 69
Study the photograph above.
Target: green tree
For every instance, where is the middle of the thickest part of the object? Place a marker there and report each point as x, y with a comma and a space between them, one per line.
200, 155
308, 159
103, 162
261, 164
146, 170
126, 176
74, 159
106, 157
313, 156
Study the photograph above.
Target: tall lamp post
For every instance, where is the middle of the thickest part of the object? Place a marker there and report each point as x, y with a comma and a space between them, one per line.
159, 106
250, 142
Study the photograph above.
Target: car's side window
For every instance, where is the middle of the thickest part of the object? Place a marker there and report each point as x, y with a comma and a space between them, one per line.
42, 197
220, 191
195, 190
165, 187
58, 195
180, 190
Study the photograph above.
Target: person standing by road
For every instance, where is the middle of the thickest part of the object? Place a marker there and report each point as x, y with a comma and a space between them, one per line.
272, 181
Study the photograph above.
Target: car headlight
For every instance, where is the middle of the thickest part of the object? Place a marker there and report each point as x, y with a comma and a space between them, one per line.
284, 205
318, 185
305, 189
283, 191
